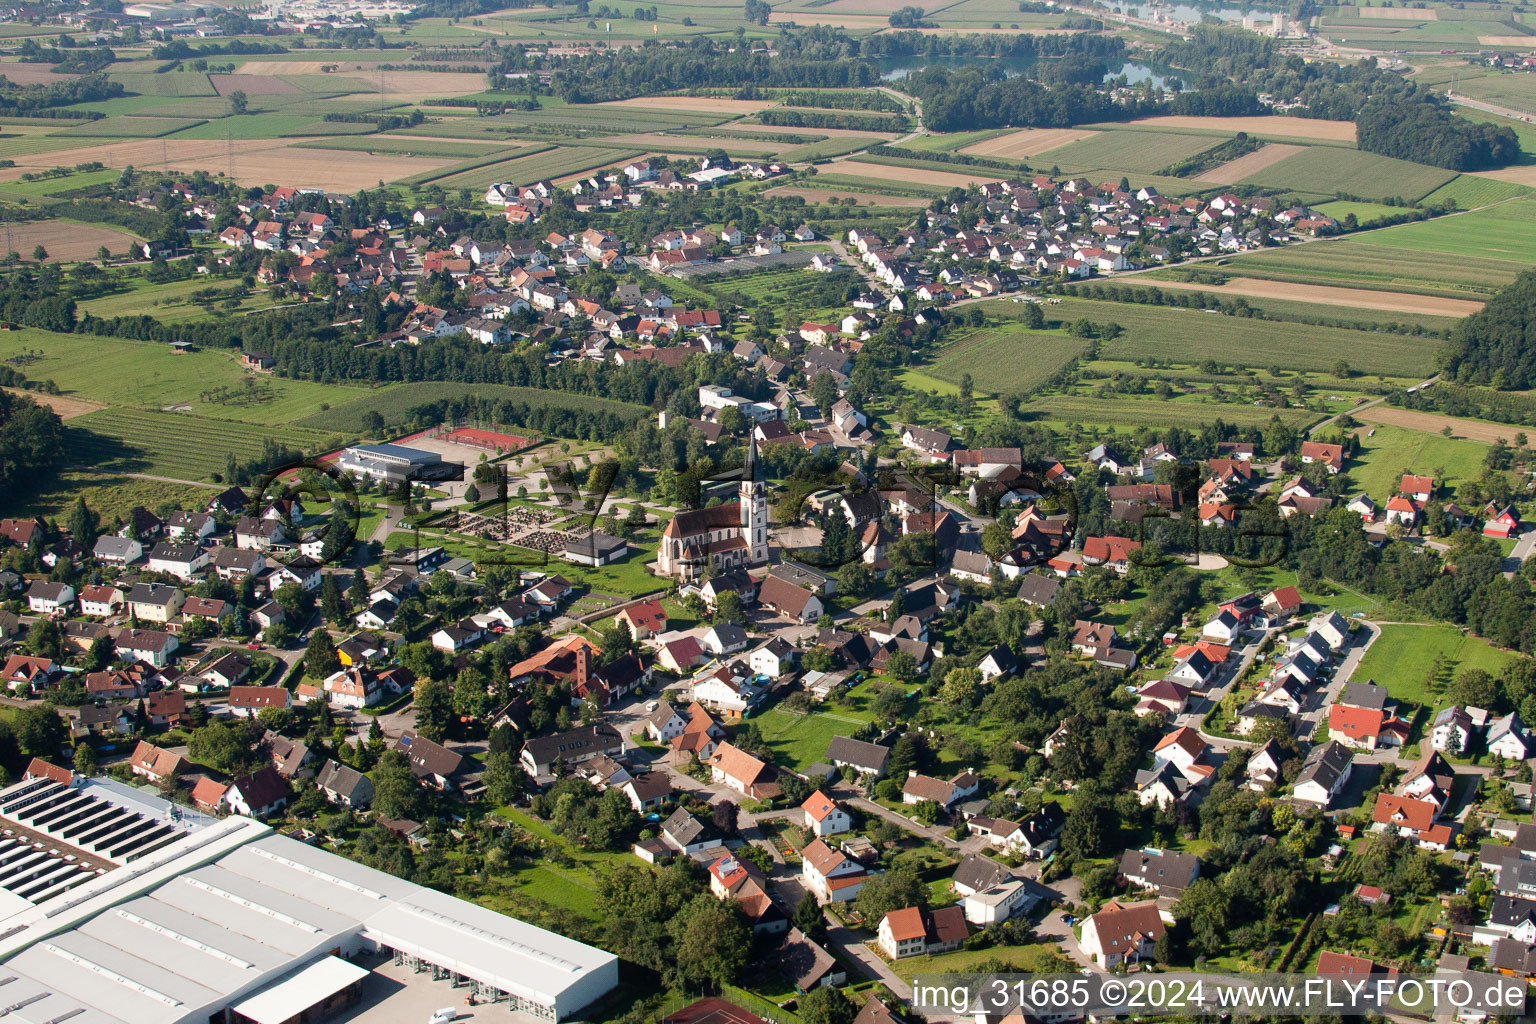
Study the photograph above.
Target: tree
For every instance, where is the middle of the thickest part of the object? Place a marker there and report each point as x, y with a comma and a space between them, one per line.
724, 816
320, 657
809, 919
728, 608
434, 708
711, 942
826, 1006
82, 524
617, 641
890, 891
505, 781
40, 731
239, 103
85, 759
824, 393
395, 793
39, 253
332, 607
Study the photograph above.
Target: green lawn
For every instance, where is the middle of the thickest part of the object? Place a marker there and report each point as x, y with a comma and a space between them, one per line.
1008, 359
1034, 958
1400, 659
1393, 451
1364, 212
801, 740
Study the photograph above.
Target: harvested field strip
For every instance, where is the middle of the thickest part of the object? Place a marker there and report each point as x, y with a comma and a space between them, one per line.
1078, 409
689, 104
67, 408
1027, 142
1234, 171
1357, 298
1305, 129
1435, 423
402, 147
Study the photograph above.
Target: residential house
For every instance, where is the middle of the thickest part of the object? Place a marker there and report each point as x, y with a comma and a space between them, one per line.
1166, 872
344, 786
830, 875
739, 770
1324, 773
913, 931
823, 817
1122, 933
258, 794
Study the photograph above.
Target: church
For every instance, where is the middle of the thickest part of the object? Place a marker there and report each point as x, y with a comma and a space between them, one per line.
729, 536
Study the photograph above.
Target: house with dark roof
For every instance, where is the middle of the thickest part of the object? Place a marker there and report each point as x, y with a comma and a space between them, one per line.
434, 764
258, 794
864, 757
344, 786
1167, 872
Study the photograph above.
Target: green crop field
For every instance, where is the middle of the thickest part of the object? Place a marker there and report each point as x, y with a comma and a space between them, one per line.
174, 83
553, 163
399, 146
61, 184
1392, 451
1513, 89
1354, 262
131, 127
1152, 413
1146, 152
177, 445
1191, 336
394, 402
1338, 209
1469, 191
1328, 169
114, 371
1401, 657
1503, 232
829, 148
1007, 360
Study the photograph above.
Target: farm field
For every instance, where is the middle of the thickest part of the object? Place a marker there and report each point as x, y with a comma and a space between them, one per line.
1266, 156
1338, 209
1503, 232
64, 240
1192, 336
171, 303
1352, 298
1469, 191
395, 401
558, 163
177, 445
1267, 126
913, 175
1143, 153
822, 195
67, 408
1355, 263
1026, 142
1332, 169
1153, 413
1434, 423
1393, 451
1006, 360
1307, 309
118, 372
1400, 658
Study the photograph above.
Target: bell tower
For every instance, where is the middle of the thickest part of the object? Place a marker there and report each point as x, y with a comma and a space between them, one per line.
752, 494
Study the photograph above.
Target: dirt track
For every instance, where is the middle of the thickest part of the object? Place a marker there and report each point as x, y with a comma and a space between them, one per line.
1434, 423
1357, 298
67, 408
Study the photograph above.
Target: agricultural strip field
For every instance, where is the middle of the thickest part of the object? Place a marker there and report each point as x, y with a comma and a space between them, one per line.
175, 83
1143, 153
825, 148
1234, 171
822, 195
1304, 129
1191, 336
394, 402
1393, 451
177, 444
1027, 142
1299, 305
1503, 232
1354, 263
1469, 191
1352, 298
118, 372
555, 163
1153, 413
65, 241
129, 127
912, 175
1331, 169
1434, 423
399, 146
1006, 360
67, 408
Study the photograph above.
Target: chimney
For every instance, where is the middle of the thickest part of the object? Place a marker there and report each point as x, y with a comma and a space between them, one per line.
583, 666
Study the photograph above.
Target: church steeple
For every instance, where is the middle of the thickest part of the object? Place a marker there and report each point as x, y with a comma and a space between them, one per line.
752, 495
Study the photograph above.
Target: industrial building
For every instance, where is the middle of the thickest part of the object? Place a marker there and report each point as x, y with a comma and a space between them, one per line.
396, 462
223, 921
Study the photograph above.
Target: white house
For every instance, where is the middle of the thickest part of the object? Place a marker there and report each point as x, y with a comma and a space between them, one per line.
830, 875
823, 817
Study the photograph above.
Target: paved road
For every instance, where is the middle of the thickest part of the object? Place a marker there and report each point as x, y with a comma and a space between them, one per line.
1366, 405
1487, 108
